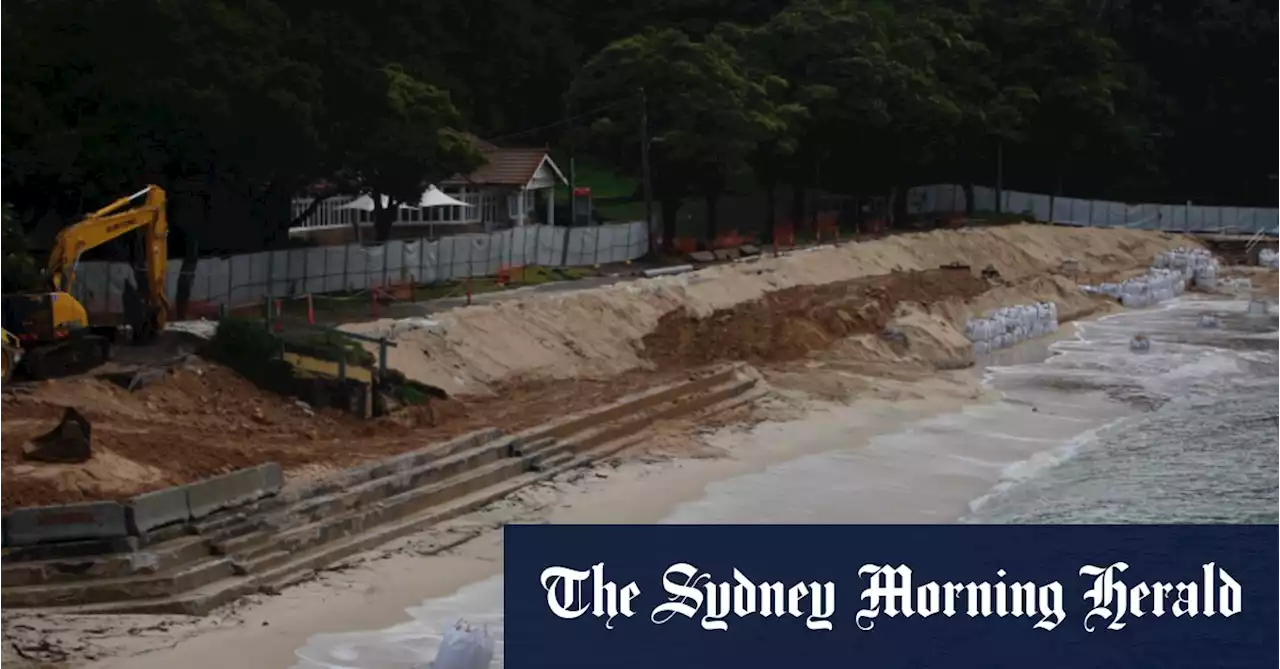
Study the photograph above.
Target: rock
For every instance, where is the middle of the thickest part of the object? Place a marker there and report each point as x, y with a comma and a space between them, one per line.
727, 254
895, 335
749, 250
702, 256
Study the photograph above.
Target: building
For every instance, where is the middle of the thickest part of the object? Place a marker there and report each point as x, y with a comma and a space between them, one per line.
515, 187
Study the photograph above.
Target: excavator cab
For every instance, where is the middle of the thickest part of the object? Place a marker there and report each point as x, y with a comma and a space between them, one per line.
53, 328
12, 355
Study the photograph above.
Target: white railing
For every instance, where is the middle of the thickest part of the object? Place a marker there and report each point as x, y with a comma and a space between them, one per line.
329, 213
1187, 217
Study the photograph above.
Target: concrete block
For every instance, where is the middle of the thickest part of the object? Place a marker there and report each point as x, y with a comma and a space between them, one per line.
157, 509
70, 522
234, 489
727, 254
702, 256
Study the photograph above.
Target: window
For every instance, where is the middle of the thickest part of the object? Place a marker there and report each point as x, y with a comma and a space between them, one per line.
530, 205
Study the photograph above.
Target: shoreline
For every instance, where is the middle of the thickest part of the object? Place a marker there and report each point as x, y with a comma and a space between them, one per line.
372, 591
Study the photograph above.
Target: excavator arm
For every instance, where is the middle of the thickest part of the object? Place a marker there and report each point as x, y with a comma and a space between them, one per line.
107, 224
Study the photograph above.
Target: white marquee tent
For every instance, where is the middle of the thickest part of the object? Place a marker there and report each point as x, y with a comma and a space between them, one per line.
432, 197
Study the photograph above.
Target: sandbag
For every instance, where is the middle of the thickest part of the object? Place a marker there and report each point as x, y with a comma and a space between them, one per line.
464, 647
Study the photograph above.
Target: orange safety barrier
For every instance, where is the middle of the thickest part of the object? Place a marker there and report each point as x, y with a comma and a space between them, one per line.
685, 244
828, 227
511, 274
784, 237
203, 309
726, 240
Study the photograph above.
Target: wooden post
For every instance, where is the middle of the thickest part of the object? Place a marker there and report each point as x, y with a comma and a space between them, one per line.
342, 366
382, 357
311, 312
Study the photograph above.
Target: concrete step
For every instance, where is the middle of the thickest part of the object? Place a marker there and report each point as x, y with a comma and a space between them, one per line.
151, 560
202, 600
680, 406
552, 462
399, 506
533, 446
308, 528
580, 422
373, 492
104, 590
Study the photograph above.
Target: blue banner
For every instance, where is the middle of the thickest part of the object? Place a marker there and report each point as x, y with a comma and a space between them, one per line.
811, 597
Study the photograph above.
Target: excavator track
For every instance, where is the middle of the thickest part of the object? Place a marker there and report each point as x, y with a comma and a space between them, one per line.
76, 355
10, 361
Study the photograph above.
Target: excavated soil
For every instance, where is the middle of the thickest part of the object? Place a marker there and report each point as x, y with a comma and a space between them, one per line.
794, 322
203, 420
879, 306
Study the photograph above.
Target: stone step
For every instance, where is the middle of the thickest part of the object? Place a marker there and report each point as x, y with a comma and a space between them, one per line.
586, 420
399, 506
202, 600
308, 528
105, 590
151, 560
675, 408
545, 463
377, 492
533, 446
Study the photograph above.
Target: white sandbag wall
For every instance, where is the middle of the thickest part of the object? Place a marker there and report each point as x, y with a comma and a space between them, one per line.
1269, 258
1154, 287
1007, 326
1170, 275
1197, 265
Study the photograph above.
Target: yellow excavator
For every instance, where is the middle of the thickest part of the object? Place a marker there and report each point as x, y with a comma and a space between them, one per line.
48, 334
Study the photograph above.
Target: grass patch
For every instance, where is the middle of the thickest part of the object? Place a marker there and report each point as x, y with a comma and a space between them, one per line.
603, 180
622, 212
328, 345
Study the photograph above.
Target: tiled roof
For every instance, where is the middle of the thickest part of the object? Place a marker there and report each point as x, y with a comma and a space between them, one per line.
506, 167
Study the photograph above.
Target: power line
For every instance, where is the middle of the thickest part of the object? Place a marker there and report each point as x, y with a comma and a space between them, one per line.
562, 121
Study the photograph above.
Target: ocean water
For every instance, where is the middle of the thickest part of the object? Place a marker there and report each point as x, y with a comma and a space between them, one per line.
1095, 433
1201, 449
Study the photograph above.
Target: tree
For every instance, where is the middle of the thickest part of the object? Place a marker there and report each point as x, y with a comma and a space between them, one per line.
1079, 78
20, 270
402, 142
708, 112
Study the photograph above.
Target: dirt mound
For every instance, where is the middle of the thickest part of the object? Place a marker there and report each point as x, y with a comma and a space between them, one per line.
599, 333
203, 419
790, 323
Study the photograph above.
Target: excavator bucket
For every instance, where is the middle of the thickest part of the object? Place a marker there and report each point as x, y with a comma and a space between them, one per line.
68, 442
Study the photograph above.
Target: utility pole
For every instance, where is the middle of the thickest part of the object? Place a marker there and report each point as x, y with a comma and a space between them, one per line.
999, 175
644, 168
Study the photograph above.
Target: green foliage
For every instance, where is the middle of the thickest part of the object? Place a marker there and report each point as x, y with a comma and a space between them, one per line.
329, 345
704, 104
21, 273
245, 343
263, 97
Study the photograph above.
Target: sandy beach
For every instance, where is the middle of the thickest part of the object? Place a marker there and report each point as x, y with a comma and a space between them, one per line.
862, 428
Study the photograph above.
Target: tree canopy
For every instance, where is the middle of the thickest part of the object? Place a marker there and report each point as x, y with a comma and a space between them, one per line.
1135, 99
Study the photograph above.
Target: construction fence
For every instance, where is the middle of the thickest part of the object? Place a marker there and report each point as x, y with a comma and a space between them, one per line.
246, 279
940, 199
